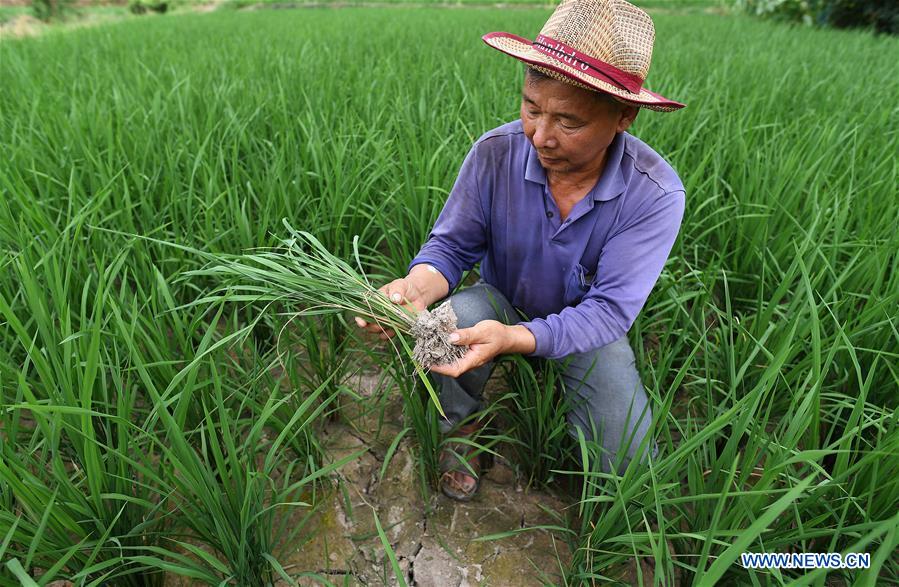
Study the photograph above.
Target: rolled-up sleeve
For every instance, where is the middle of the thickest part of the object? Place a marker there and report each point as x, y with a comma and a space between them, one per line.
459, 237
629, 266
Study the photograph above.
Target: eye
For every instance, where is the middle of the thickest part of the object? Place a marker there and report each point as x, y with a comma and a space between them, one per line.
568, 126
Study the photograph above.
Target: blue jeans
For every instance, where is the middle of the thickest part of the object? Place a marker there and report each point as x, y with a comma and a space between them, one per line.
607, 396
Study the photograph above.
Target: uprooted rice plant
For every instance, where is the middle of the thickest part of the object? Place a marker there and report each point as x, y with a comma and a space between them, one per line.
146, 435
307, 275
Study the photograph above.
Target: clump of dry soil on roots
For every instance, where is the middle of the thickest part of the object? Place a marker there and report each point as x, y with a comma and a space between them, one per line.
431, 331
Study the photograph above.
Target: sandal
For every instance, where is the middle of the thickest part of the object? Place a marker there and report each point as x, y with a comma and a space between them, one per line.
455, 476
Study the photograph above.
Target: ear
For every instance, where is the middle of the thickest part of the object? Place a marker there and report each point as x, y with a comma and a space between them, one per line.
626, 116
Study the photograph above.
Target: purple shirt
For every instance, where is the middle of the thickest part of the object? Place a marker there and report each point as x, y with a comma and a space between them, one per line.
581, 282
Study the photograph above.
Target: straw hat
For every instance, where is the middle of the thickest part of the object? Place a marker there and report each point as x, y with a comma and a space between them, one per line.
601, 45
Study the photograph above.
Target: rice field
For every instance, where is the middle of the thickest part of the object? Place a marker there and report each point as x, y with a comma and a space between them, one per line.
145, 437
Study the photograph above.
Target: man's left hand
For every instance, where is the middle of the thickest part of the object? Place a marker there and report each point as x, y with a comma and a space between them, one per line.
486, 340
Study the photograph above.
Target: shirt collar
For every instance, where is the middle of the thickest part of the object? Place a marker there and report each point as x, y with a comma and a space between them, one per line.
609, 186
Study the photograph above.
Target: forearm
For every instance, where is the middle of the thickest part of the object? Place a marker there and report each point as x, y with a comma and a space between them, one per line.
432, 284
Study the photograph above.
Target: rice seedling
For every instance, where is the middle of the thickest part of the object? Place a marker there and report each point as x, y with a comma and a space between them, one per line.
306, 274
237, 489
422, 417
99, 452
536, 416
80, 482
316, 352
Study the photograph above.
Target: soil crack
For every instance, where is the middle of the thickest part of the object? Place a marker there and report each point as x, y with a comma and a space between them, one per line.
433, 537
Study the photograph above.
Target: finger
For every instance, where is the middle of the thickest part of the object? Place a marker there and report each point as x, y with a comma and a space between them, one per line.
399, 293
391, 290
360, 322
388, 290
374, 329
448, 370
457, 369
463, 336
454, 369
407, 288
377, 328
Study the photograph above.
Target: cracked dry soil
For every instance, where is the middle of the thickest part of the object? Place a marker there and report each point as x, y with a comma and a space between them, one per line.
433, 539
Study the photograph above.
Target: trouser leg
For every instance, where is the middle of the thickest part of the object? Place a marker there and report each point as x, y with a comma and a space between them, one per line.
461, 396
607, 401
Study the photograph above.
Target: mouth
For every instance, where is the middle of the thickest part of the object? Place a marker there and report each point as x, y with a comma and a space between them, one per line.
547, 159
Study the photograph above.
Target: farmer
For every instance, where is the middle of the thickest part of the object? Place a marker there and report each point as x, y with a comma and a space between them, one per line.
571, 218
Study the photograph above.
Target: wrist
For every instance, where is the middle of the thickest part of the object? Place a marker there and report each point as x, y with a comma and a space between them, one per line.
520, 340
430, 282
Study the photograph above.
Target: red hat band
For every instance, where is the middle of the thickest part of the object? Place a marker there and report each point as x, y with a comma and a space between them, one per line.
589, 65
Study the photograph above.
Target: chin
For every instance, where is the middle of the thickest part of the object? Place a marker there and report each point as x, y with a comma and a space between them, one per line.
557, 165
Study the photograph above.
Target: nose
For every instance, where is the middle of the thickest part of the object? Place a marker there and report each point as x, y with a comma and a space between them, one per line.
543, 138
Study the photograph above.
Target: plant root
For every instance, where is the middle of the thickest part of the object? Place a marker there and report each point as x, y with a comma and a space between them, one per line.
431, 331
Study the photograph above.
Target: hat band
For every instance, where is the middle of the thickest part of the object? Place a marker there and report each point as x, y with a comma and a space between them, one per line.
644, 97
589, 65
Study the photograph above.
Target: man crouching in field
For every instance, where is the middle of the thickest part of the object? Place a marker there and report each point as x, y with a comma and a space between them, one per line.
572, 220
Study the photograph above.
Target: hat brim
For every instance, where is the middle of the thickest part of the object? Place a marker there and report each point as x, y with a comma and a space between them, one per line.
522, 50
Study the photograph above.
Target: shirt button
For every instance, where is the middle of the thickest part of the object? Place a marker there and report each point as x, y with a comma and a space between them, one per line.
549, 214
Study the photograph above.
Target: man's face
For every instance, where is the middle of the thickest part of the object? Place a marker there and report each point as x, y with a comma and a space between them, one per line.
568, 126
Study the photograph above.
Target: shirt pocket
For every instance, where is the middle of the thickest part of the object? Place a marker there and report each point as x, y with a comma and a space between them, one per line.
577, 284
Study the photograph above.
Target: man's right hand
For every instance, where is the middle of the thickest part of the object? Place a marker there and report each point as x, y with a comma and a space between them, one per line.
402, 291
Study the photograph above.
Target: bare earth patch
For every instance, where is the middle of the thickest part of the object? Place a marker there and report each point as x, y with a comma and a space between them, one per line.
23, 25
433, 539
26, 25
